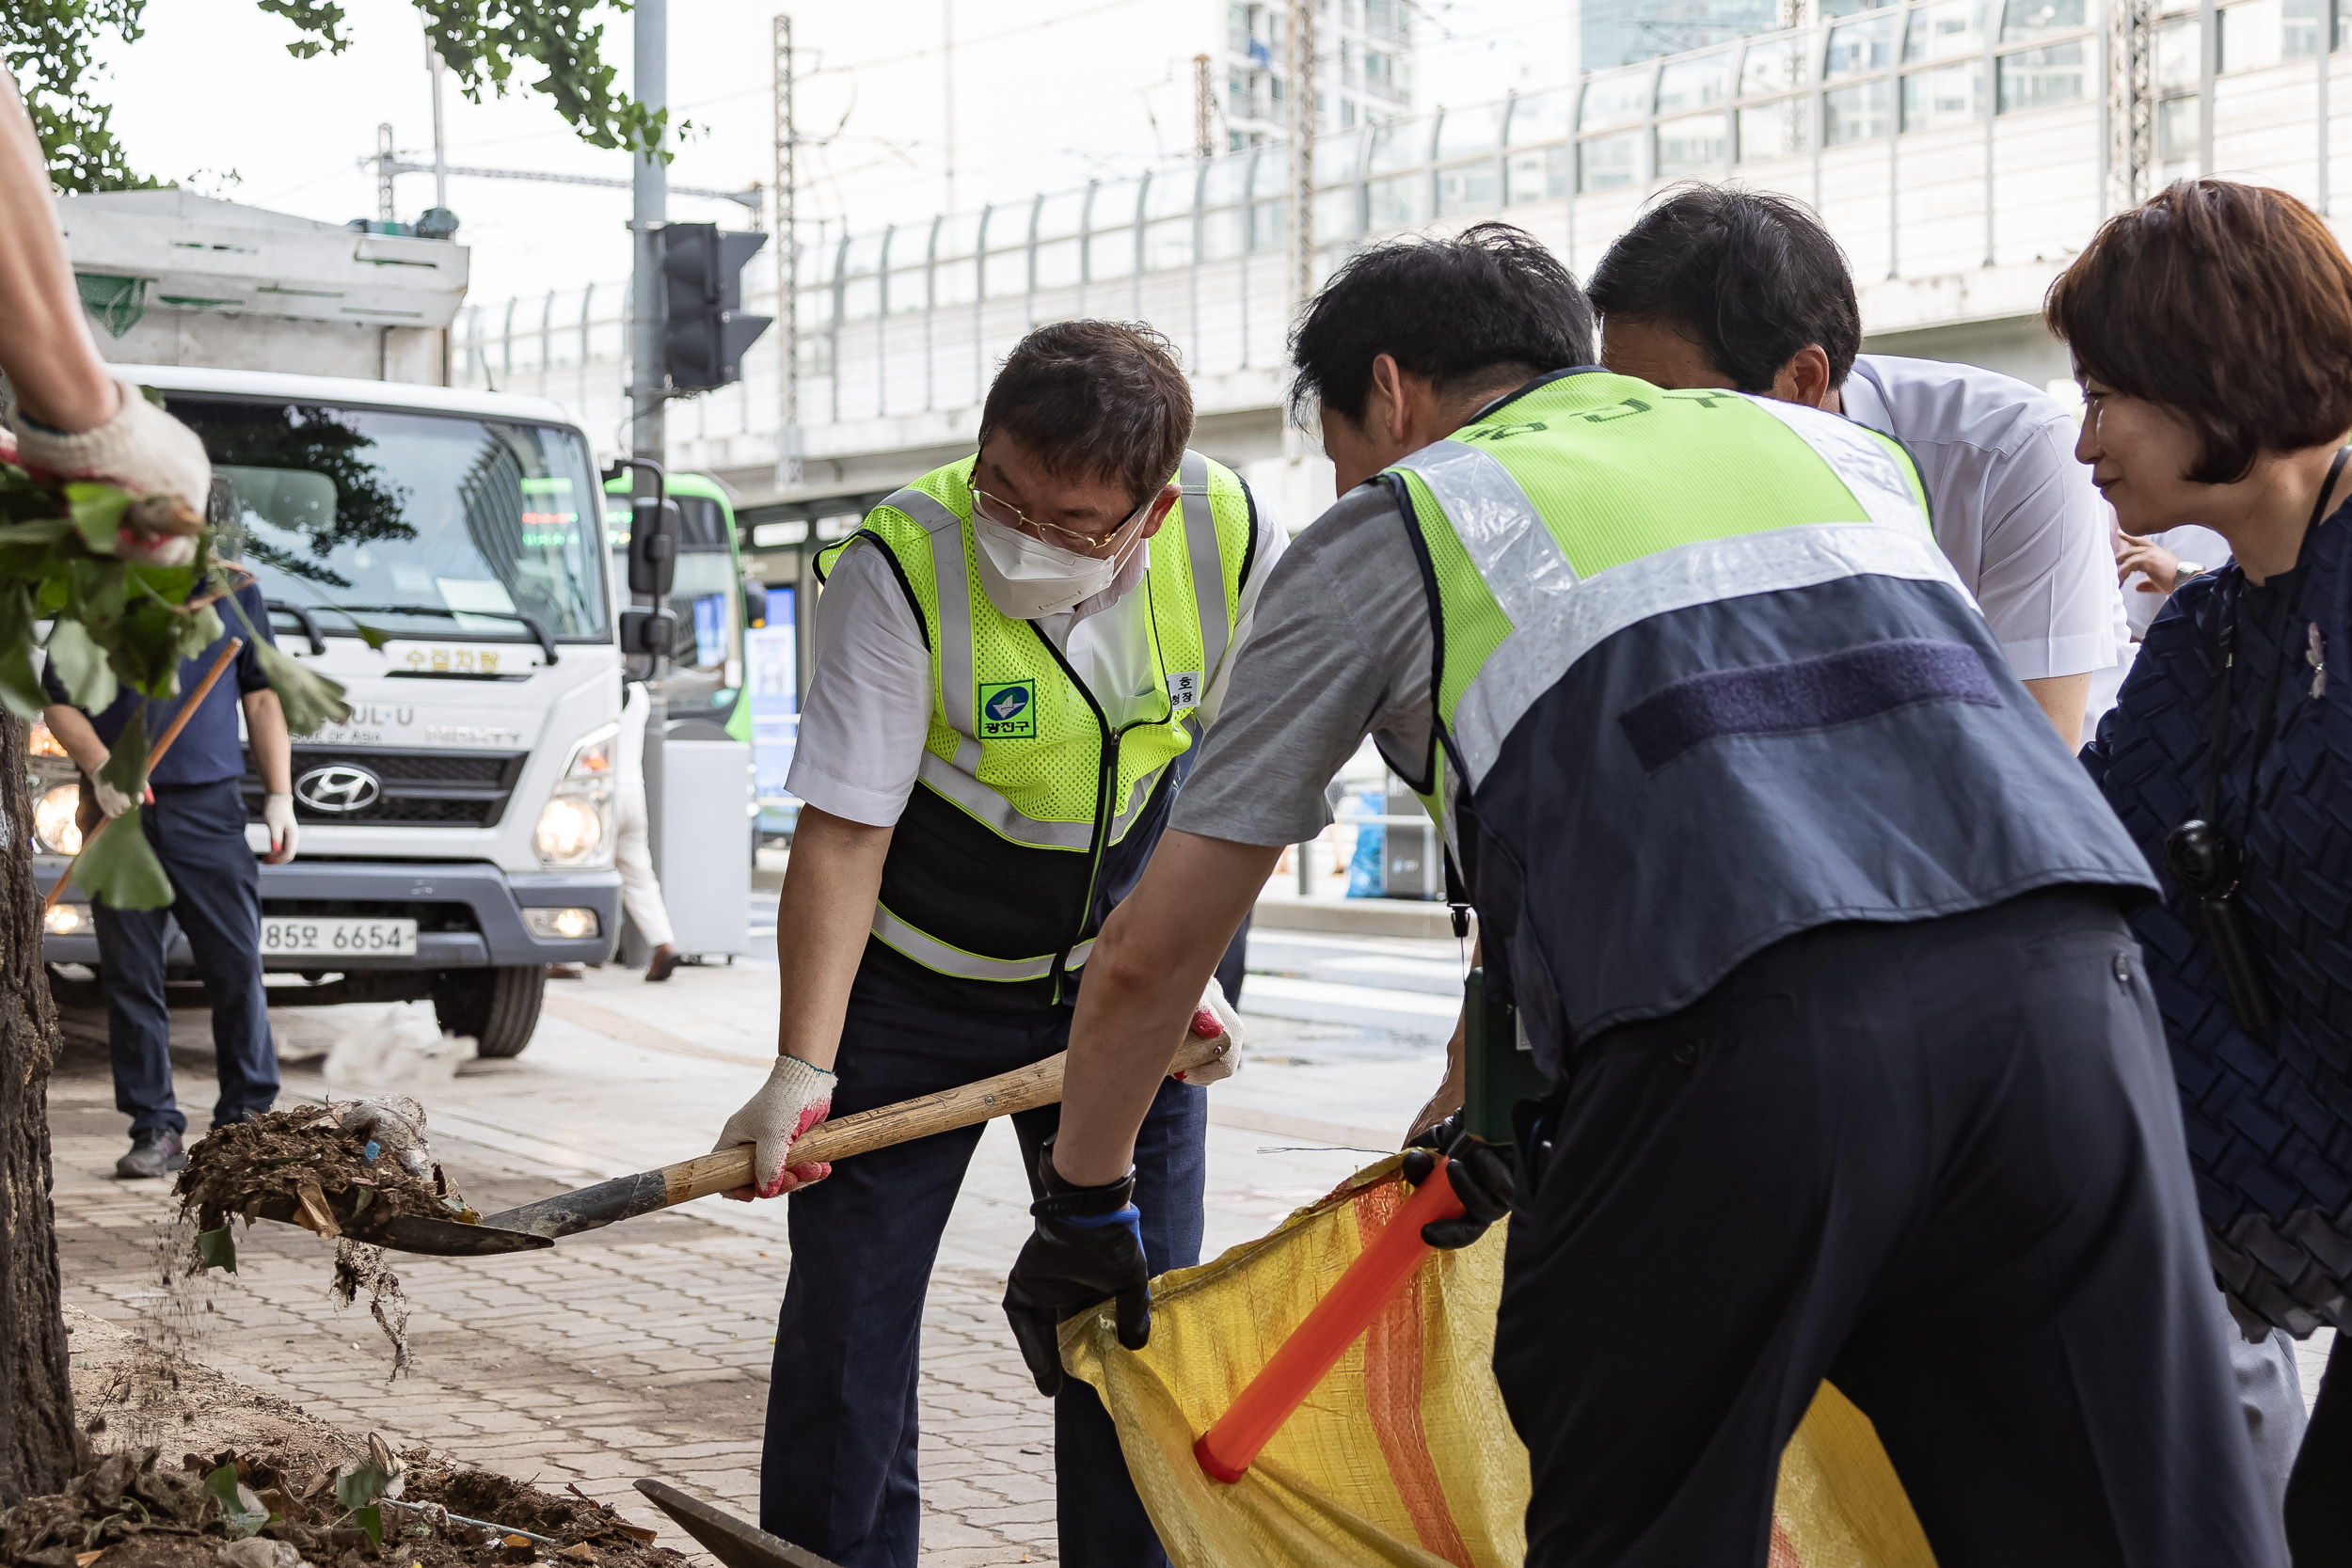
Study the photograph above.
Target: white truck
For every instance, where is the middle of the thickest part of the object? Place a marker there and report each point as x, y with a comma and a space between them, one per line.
456, 829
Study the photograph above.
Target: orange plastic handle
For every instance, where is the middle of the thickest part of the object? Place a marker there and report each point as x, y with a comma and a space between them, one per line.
1316, 1346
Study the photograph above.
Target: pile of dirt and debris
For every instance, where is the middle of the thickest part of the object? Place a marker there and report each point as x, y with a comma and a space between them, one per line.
345, 1172
136, 1509
312, 1165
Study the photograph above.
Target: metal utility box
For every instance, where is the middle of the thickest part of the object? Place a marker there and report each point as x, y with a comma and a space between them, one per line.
1414, 866
706, 845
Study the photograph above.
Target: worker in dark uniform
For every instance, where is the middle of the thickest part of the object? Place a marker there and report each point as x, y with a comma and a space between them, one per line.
196, 821
1813, 919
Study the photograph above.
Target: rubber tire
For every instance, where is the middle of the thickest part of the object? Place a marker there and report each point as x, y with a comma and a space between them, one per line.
499, 1007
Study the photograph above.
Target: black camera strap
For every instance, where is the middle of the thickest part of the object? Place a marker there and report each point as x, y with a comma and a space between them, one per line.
2205, 861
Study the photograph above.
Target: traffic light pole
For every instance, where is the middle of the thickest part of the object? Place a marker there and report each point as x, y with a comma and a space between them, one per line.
647, 435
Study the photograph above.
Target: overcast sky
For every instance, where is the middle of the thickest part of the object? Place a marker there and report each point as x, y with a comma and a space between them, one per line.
1047, 93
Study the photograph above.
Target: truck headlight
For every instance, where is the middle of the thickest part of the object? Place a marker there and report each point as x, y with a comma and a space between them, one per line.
66, 919
570, 829
594, 757
53, 820
568, 924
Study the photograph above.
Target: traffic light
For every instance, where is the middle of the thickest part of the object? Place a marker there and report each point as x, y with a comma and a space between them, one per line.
705, 330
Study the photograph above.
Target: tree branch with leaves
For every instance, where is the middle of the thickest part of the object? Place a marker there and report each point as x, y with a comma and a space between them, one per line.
115, 623
49, 46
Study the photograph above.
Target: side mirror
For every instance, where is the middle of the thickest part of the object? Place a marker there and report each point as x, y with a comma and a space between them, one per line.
651, 632
654, 525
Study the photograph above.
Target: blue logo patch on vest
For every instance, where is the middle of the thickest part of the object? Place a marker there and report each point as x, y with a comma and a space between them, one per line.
1009, 710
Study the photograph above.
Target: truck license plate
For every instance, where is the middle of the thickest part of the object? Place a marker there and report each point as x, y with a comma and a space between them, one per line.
296, 937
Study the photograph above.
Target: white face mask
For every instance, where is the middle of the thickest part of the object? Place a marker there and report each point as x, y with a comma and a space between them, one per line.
1027, 578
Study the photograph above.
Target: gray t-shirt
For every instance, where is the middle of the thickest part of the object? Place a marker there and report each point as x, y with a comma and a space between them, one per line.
1341, 649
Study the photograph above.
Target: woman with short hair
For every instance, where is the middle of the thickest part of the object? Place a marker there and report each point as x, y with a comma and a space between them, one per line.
2212, 333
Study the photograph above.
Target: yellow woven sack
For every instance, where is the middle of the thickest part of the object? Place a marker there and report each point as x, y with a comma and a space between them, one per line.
1402, 1455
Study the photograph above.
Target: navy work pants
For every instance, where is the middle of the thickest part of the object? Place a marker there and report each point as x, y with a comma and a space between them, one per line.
1938, 1164
838, 1474
198, 832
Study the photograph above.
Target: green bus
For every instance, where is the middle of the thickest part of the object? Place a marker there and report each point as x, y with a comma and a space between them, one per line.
707, 688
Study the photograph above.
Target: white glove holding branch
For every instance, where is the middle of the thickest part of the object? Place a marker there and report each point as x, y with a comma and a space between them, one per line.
278, 815
796, 1098
110, 799
143, 450
1215, 1016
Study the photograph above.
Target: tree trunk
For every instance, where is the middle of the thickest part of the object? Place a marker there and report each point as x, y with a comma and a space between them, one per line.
36, 1400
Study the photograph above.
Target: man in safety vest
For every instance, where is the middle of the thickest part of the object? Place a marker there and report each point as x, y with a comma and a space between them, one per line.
1015, 657
1817, 931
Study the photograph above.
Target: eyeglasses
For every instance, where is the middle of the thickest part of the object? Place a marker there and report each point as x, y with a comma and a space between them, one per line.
1006, 514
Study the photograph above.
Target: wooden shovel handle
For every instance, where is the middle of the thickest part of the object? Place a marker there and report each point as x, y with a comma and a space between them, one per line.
1021, 1089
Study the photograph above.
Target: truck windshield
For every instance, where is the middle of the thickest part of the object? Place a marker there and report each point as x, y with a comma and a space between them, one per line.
469, 523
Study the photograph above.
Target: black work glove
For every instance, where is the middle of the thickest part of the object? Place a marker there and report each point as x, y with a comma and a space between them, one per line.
1087, 1249
1480, 1174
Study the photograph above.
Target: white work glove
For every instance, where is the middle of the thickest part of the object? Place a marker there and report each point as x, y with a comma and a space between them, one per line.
795, 1099
278, 812
110, 799
1212, 1018
395, 1124
146, 452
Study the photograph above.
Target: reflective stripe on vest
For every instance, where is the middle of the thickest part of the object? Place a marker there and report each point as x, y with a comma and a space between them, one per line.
1208, 567
1001, 815
1556, 617
956, 680
931, 953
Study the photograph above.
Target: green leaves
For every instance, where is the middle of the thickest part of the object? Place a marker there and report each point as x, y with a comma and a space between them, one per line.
115, 623
97, 513
19, 687
481, 41
240, 1508
82, 668
118, 867
52, 47
217, 1249
361, 1490
309, 698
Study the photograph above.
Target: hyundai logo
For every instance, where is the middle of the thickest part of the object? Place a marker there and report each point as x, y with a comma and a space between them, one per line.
337, 787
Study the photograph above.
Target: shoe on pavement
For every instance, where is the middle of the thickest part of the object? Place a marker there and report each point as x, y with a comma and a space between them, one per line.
156, 1153
663, 964
566, 971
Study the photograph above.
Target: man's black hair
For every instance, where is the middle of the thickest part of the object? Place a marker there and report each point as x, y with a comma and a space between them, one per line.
1445, 309
1751, 278
1095, 399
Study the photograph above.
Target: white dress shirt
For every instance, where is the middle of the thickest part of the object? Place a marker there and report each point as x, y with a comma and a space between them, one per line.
868, 709
2016, 514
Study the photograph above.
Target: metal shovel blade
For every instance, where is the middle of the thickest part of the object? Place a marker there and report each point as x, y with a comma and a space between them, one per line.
427, 1234
439, 1238
728, 1538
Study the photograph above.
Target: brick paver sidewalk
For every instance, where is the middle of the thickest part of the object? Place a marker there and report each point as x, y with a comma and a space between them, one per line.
640, 1350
